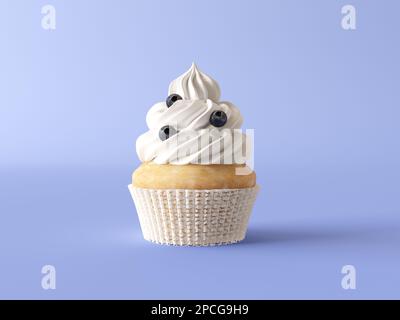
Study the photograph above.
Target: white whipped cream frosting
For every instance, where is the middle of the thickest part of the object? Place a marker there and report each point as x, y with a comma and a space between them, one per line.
196, 140
195, 85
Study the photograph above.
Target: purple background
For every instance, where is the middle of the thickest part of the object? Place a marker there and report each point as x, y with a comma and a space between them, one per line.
324, 103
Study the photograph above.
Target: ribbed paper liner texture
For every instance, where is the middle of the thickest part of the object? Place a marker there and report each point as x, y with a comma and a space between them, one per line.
194, 217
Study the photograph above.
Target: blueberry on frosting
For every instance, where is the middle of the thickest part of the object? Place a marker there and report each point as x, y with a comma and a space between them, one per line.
218, 119
172, 98
165, 132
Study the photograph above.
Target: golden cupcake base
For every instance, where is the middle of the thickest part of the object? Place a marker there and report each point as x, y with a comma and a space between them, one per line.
193, 176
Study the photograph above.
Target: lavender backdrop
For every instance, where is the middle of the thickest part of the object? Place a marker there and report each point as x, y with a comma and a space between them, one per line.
324, 103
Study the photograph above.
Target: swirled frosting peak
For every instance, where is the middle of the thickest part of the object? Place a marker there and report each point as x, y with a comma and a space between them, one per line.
195, 85
196, 128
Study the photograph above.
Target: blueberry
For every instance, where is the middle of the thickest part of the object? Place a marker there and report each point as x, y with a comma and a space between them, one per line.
218, 118
166, 132
172, 99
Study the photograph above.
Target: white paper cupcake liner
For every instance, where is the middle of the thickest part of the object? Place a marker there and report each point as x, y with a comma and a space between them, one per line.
187, 217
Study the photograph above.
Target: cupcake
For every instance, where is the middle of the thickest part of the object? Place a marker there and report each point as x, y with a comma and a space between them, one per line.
194, 186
